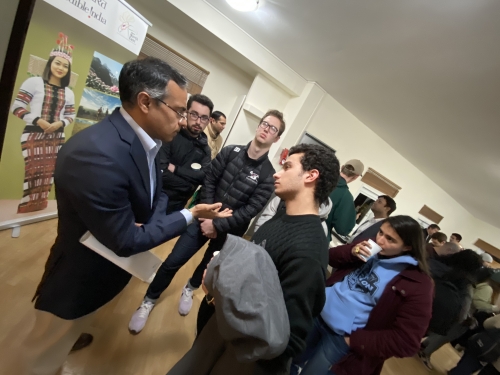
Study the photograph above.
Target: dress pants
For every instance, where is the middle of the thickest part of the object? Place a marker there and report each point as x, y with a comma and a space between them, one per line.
44, 350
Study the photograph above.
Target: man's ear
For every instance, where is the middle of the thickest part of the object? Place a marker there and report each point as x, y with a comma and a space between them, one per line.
312, 175
143, 101
277, 139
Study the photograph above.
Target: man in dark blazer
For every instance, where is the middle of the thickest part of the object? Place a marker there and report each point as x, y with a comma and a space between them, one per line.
382, 208
107, 182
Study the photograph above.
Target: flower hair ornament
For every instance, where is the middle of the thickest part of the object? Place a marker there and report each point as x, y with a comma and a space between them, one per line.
63, 49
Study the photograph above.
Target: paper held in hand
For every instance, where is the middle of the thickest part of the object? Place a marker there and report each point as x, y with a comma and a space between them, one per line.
142, 265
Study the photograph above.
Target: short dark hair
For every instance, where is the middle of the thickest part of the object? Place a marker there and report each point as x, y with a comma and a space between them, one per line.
203, 100
440, 236
216, 115
457, 236
279, 116
324, 160
47, 72
434, 226
389, 202
150, 75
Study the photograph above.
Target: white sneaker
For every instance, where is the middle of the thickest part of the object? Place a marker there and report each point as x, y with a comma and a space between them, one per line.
140, 317
186, 301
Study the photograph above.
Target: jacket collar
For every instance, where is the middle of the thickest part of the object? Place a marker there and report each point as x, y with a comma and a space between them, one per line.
413, 273
201, 139
256, 161
211, 132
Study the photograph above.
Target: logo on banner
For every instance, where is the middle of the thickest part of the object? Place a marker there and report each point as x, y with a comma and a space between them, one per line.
115, 19
126, 28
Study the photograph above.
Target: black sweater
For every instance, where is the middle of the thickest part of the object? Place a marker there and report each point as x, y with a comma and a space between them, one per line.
299, 249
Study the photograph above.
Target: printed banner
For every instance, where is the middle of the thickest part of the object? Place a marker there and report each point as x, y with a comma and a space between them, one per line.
113, 18
100, 96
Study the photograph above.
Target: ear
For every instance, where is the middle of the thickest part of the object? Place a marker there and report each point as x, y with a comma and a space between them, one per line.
312, 175
144, 102
277, 139
406, 248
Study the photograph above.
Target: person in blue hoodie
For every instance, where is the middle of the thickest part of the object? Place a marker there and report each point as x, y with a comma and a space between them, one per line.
351, 311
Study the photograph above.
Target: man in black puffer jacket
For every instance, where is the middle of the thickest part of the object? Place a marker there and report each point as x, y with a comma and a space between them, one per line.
182, 160
241, 178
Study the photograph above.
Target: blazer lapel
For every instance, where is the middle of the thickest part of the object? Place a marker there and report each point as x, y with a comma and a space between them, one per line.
139, 156
159, 182
137, 151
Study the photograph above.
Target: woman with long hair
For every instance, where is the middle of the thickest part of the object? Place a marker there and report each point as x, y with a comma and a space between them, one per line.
51, 107
375, 308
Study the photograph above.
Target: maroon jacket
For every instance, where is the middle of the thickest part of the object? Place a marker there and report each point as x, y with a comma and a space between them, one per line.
396, 324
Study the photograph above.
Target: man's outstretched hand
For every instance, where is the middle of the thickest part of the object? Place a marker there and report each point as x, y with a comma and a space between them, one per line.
210, 211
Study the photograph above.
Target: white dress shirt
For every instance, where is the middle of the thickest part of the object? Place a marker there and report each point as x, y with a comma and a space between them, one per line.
151, 147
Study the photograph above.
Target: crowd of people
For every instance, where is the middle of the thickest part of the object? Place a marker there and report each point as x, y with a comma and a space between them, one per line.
155, 169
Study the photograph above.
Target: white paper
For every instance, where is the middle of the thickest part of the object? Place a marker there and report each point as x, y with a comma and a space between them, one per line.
142, 265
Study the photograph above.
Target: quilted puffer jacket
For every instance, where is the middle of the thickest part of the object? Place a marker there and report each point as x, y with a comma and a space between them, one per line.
239, 183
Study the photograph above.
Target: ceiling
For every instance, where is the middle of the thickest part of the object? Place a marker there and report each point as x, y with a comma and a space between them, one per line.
423, 74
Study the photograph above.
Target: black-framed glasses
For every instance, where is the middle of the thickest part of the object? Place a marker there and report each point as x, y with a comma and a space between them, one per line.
272, 129
180, 115
194, 116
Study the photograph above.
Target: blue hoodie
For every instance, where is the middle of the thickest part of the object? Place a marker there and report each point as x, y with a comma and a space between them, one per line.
350, 301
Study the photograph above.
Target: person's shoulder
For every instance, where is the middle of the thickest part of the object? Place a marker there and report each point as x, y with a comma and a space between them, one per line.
33, 82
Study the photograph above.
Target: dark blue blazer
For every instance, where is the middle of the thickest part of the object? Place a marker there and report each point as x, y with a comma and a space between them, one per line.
102, 186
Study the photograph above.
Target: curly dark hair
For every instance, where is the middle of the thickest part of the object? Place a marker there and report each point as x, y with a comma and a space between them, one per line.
324, 160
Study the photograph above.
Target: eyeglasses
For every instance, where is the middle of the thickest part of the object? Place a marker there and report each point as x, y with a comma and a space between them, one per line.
180, 115
272, 129
194, 116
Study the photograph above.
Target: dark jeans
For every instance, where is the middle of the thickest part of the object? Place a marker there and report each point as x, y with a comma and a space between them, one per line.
187, 245
324, 349
469, 364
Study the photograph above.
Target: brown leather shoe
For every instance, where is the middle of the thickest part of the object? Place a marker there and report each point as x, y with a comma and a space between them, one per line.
83, 341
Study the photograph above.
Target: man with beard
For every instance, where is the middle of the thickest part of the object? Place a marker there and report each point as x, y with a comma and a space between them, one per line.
182, 160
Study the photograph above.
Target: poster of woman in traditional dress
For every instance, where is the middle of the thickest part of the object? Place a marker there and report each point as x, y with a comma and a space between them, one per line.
47, 105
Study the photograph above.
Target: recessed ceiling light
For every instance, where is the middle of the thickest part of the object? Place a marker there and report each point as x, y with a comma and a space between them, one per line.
244, 5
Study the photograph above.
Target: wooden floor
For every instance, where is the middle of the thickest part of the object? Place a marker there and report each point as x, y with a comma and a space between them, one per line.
155, 350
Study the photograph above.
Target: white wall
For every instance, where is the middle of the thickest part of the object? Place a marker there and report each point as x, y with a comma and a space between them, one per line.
340, 129
225, 82
7, 16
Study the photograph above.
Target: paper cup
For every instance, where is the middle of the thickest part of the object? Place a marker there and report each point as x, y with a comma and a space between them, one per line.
196, 166
375, 249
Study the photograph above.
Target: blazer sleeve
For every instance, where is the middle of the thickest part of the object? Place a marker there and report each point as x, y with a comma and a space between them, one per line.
98, 189
403, 338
